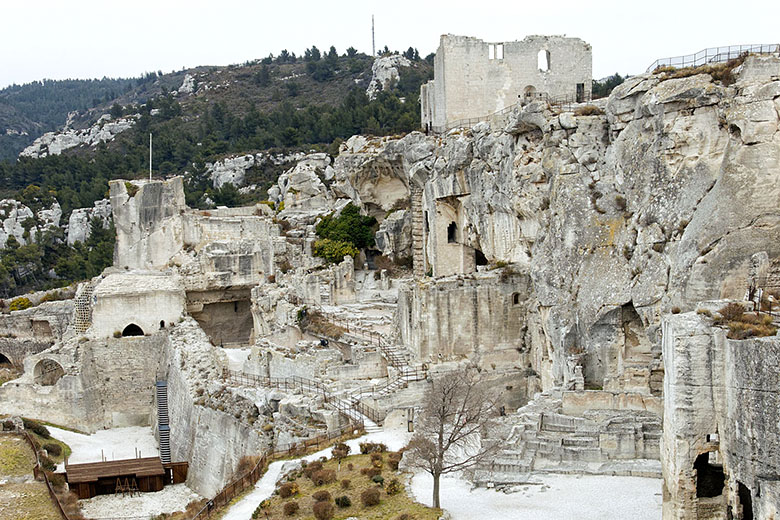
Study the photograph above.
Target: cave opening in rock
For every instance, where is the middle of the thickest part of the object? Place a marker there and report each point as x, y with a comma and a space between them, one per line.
226, 323
745, 502
47, 372
4, 361
132, 330
480, 258
709, 477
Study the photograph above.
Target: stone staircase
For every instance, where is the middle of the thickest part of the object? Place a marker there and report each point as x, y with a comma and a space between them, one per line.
538, 438
418, 266
161, 389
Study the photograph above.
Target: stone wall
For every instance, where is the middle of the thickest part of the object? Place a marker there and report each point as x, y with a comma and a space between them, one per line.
719, 399
27, 332
474, 78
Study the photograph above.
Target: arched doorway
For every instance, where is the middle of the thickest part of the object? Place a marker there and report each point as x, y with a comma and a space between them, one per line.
132, 330
47, 372
5, 362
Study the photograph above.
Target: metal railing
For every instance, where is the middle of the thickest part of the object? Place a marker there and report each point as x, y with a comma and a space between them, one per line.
714, 55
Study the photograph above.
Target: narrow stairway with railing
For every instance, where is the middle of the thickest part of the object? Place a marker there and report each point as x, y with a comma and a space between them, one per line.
163, 427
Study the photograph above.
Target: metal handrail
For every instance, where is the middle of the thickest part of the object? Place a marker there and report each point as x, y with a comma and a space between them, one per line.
714, 55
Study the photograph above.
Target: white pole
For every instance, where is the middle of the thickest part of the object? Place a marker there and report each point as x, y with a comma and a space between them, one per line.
150, 157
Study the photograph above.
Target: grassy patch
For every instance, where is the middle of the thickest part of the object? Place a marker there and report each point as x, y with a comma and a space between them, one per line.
16, 458
742, 325
29, 501
390, 505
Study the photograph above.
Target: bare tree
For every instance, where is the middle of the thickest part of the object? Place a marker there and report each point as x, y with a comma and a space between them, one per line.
456, 411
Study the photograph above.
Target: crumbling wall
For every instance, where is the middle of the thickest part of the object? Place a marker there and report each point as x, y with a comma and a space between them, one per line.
718, 394
29, 331
474, 78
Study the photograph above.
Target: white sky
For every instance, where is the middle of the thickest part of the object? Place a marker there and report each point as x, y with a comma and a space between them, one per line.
118, 38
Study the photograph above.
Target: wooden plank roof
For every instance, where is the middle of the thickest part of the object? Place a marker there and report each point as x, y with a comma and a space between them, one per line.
92, 471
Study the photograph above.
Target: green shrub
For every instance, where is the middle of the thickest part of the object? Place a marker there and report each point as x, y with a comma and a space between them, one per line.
291, 508
21, 303
131, 188
323, 510
37, 428
334, 251
370, 497
394, 487
53, 448
117, 334
350, 226
343, 501
378, 479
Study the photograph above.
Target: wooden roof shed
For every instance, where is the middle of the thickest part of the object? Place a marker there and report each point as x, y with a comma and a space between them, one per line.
102, 478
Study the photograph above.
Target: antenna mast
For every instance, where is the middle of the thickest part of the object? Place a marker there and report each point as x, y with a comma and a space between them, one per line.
150, 156
373, 40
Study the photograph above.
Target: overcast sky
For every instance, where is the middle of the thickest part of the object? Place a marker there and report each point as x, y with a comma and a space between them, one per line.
118, 38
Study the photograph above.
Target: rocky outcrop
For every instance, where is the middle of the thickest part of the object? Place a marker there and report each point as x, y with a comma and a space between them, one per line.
229, 170
54, 143
301, 188
80, 221
384, 73
19, 221
394, 236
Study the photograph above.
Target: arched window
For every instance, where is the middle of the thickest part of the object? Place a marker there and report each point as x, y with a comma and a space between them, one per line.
5, 360
162, 324
47, 372
132, 330
516, 299
543, 60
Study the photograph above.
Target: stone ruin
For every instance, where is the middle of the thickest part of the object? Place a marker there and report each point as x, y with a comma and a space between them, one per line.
564, 256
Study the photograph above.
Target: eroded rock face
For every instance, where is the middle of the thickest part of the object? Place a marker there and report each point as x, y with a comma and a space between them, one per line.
16, 219
384, 72
80, 221
54, 143
394, 237
229, 170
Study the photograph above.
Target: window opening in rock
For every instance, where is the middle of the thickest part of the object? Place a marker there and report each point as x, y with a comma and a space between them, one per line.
580, 92
516, 299
47, 372
543, 60
712, 437
500, 51
452, 233
132, 330
529, 91
745, 502
235, 306
480, 258
427, 225
491, 51
162, 324
709, 477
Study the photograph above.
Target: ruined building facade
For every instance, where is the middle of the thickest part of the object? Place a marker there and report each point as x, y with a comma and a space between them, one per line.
474, 78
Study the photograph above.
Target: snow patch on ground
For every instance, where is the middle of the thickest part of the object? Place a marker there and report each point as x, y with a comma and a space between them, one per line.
169, 500
554, 497
243, 509
113, 444
237, 357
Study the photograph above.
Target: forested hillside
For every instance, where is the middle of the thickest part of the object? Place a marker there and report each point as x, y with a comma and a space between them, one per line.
280, 103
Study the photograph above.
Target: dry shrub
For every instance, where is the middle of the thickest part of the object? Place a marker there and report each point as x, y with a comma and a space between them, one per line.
371, 447
312, 468
371, 472
322, 477
343, 501
404, 516
321, 496
588, 110
370, 497
323, 510
350, 466
245, 465
53, 448
393, 459
291, 508
345, 483
376, 456
70, 503
288, 489
57, 479
732, 312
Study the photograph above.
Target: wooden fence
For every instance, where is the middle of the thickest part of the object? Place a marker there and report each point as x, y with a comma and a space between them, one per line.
250, 478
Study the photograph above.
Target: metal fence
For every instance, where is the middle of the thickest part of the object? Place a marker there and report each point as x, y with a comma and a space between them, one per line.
714, 55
